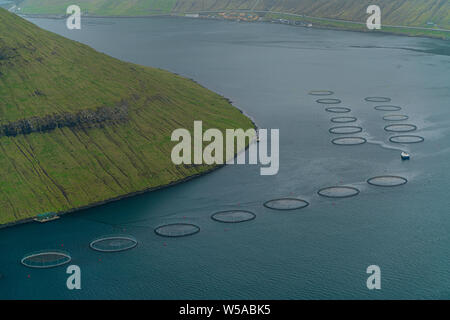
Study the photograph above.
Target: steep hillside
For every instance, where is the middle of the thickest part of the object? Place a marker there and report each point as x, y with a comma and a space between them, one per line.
79, 127
395, 12
99, 7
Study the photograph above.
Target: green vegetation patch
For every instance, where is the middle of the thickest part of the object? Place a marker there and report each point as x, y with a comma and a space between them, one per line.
100, 7
72, 167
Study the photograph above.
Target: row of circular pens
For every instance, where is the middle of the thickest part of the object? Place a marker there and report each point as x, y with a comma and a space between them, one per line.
119, 242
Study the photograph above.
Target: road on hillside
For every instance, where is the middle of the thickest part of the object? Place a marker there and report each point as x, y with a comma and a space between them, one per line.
323, 19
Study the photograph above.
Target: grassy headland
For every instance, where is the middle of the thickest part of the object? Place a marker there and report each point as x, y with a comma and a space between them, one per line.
89, 127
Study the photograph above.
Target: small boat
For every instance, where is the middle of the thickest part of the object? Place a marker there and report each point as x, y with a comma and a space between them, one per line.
405, 156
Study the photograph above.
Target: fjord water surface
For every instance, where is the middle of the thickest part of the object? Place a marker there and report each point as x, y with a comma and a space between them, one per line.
319, 252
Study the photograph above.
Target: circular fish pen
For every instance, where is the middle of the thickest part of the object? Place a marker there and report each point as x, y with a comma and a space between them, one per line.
396, 117
343, 119
338, 110
321, 93
46, 259
328, 101
345, 130
233, 216
338, 192
388, 108
400, 128
177, 230
377, 99
113, 243
387, 181
286, 204
348, 141
406, 139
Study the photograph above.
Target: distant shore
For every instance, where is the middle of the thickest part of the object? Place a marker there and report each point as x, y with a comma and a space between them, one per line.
289, 19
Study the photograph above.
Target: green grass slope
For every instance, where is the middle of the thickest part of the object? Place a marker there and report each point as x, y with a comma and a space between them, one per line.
99, 7
43, 74
395, 12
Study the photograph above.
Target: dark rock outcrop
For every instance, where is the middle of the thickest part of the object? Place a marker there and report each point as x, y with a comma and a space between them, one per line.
84, 119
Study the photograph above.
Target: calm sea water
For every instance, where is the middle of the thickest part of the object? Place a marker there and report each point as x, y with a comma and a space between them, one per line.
319, 252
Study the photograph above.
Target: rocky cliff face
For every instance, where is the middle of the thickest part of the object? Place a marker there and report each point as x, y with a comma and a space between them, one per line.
82, 119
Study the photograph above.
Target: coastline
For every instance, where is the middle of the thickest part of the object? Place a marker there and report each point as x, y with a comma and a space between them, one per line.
146, 190
118, 198
354, 26
277, 17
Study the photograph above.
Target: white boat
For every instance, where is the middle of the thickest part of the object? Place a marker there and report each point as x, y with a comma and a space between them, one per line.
405, 156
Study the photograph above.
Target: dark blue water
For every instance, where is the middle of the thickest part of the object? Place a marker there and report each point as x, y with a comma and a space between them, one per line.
319, 252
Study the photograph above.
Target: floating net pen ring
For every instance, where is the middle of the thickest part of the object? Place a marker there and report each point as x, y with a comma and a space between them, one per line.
387, 108
338, 110
377, 99
328, 101
233, 216
400, 128
285, 204
345, 130
46, 259
343, 119
406, 139
395, 117
387, 181
338, 192
349, 141
177, 230
321, 92
113, 243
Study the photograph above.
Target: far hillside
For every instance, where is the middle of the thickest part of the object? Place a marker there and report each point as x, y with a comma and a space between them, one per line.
419, 13
395, 12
